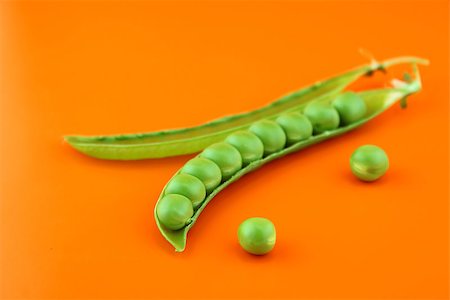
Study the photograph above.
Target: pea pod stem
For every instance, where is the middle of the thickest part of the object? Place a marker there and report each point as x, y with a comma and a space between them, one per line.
377, 101
190, 140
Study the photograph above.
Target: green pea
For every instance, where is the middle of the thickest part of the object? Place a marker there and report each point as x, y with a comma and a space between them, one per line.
271, 135
188, 186
249, 145
296, 126
205, 170
351, 107
225, 156
322, 116
369, 162
257, 235
174, 211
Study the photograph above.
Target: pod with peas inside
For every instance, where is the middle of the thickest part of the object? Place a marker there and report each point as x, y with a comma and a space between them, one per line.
262, 141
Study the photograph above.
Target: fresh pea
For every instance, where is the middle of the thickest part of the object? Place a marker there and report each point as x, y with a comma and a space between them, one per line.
225, 156
248, 144
257, 235
174, 211
296, 126
205, 170
194, 139
351, 107
322, 116
369, 162
271, 134
188, 186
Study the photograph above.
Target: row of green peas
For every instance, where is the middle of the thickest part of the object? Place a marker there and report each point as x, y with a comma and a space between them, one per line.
186, 191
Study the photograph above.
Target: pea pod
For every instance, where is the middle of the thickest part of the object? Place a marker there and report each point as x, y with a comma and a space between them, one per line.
190, 140
376, 101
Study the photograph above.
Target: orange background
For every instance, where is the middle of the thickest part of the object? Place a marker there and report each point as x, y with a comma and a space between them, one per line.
75, 227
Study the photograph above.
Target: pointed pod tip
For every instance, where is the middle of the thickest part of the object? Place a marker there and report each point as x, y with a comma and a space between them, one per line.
72, 139
67, 138
179, 245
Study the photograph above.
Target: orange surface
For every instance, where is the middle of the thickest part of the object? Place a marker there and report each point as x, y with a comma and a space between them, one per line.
76, 227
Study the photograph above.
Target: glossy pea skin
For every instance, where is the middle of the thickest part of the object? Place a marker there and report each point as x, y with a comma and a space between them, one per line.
225, 156
369, 162
174, 211
351, 107
204, 169
271, 134
248, 144
188, 186
322, 116
296, 126
257, 235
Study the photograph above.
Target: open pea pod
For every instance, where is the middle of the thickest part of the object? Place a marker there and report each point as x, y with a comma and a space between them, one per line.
377, 101
190, 140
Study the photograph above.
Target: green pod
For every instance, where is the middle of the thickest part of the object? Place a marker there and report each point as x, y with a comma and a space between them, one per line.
350, 106
296, 126
271, 134
257, 236
322, 116
174, 211
194, 139
248, 144
377, 101
205, 170
188, 186
225, 156
369, 162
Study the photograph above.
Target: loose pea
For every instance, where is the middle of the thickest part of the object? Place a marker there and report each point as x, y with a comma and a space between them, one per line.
205, 170
271, 135
174, 211
369, 163
249, 145
257, 235
322, 116
225, 156
188, 186
296, 126
351, 107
